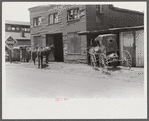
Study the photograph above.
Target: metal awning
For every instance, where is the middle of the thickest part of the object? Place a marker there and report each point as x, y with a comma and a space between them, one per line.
111, 30
93, 32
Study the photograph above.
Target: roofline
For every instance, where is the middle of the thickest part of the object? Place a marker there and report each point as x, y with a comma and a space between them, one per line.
38, 7
17, 22
124, 10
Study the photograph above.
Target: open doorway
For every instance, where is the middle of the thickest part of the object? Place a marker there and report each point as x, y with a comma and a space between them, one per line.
57, 40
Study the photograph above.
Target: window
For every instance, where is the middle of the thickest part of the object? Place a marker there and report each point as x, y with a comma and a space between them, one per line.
17, 28
74, 43
27, 29
38, 41
8, 27
53, 18
23, 29
37, 21
99, 9
13, 28
73, 14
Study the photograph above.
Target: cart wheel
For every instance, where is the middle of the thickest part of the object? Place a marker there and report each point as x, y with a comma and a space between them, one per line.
114, 64
92, 60
126, 59
102, 60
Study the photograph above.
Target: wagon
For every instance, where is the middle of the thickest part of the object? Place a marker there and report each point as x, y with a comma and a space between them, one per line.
106, 53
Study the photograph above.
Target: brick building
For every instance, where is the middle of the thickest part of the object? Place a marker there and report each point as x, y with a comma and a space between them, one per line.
60, 25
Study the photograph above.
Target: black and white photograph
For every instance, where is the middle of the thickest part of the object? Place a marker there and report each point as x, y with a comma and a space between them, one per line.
74, 60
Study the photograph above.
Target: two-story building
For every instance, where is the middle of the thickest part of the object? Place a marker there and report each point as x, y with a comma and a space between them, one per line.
20, 32
60, 25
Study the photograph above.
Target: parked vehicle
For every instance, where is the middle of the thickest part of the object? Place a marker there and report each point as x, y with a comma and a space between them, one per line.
106, 53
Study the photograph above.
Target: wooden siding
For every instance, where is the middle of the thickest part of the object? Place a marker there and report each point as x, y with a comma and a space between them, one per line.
139, 35
133, 41
127, 43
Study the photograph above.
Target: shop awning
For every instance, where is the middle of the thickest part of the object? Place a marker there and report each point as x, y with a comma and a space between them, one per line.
111, 30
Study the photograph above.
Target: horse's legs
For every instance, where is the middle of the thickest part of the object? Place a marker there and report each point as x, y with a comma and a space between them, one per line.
34, 60
46, 59
41, 62
38, 62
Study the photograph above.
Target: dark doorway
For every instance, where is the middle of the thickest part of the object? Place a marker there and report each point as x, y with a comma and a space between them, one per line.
57, 40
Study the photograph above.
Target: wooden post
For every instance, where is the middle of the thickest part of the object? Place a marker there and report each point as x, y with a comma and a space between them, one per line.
10, 55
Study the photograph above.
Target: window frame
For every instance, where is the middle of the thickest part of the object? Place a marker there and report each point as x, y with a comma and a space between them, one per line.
9, 28
53, 19
13, 28
37, 21
50, 19
73, 15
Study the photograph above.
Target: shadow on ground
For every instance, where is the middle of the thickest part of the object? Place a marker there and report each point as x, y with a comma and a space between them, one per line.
45, 65
114, 69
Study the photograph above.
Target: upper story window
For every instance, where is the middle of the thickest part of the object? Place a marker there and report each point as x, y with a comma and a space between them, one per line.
17, 28
99, 9
37, 21
53, 18
13, 28
73, 14
56, 18
27, 29
8, 27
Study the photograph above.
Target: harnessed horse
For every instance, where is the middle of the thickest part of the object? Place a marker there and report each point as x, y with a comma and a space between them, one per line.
40, 53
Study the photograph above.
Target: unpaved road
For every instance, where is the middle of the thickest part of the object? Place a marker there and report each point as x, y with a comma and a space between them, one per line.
24, 81
73, 81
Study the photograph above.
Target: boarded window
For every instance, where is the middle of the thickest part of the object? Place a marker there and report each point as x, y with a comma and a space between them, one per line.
128, 39
38, 41
74, 43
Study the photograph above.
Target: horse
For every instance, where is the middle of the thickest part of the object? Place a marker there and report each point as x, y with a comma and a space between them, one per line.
40, 53
34, 55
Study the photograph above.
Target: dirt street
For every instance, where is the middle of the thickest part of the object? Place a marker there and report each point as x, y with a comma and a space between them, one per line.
62, 81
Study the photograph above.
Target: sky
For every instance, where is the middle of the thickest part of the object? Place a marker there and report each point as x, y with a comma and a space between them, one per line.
18, 11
